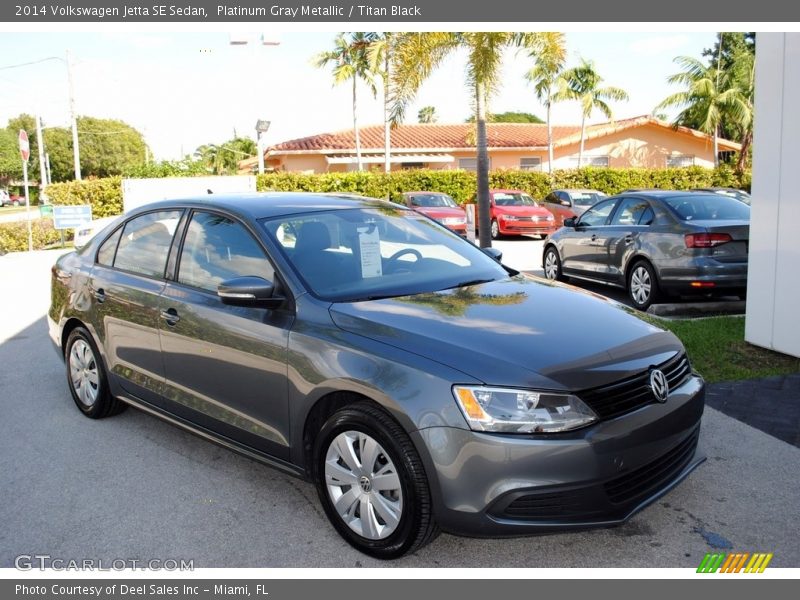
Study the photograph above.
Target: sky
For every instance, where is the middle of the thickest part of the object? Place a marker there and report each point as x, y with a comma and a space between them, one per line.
182, 90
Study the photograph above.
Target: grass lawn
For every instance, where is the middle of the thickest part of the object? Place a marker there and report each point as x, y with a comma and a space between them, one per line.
718, 351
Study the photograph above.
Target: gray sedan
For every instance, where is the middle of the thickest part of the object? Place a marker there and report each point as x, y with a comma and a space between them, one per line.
656, 243
420, 385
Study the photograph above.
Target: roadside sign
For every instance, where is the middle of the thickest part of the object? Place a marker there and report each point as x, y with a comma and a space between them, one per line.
72, 217
24, 145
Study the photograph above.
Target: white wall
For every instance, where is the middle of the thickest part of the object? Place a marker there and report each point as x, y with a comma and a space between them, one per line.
773, 286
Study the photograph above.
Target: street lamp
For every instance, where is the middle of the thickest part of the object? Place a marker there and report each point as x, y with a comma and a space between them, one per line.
262, 125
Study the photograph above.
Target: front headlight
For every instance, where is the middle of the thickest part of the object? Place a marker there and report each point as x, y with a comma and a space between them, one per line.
509, 217
521, 411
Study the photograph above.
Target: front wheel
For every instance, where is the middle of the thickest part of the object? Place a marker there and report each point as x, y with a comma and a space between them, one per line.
642, 285
495, 230
552, 265
372, 484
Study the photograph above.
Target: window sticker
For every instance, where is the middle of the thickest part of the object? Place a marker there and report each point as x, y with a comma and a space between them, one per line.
369, 243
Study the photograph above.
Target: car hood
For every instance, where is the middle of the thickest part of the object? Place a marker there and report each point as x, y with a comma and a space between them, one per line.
521, 331
522, 211
441, 212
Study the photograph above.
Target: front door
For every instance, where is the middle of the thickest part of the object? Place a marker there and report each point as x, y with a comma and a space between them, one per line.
580, 245
225, 366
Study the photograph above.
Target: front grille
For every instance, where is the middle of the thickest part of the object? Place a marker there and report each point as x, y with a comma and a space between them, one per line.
645, 480
558, 505
624, 396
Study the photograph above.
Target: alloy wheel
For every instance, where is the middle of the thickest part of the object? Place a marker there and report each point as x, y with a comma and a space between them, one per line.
363, 485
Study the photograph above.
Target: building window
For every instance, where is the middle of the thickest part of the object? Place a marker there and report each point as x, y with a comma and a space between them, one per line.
412, 165
680, 160
530, 164
471, 164
589, 161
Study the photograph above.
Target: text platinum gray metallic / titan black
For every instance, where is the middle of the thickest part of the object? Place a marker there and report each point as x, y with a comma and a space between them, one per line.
421, 385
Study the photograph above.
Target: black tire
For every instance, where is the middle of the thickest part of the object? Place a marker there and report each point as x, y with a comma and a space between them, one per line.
640, 276
15, 203
94, 399
557, 275
416, 526
495, 230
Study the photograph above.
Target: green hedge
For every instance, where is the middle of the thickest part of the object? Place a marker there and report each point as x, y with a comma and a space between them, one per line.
105, 195
14, 236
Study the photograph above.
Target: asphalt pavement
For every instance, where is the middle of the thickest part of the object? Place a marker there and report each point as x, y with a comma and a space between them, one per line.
134, 487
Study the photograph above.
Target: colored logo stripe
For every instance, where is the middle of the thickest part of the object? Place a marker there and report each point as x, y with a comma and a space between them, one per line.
733, 563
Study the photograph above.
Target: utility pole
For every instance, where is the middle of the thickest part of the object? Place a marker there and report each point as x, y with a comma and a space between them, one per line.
42, 167
75, 148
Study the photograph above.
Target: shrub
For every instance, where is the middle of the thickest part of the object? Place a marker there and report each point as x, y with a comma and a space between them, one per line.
14, 236
104, 195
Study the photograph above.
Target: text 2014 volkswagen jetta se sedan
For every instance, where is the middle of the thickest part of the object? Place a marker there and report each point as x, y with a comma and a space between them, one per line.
420, 384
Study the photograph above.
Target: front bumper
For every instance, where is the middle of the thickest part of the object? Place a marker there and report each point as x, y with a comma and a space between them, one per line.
495, 485
526, 227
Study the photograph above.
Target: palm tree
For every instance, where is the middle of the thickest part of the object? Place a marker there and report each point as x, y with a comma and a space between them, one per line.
417, 55
427, 114
582, 83
350, 62
379, 55
545, 74
712, 94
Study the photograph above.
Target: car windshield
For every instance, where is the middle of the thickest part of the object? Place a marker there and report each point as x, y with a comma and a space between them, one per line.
513, 199
586, 198
433, 201
708, 207
365, 254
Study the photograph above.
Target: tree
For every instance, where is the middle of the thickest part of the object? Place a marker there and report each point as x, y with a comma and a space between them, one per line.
582, 83
427, 114
710, 94
379, 55
509, 117
545, 77
350, 63
223, 159
417, 55
28, 123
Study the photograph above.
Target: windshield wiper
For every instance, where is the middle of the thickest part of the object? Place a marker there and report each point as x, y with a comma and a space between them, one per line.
469, 283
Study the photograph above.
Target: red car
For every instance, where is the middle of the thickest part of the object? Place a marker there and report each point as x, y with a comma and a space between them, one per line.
439, 207
514, 212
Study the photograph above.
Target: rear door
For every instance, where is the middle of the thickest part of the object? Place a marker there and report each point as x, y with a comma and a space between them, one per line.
125, 286
225, 366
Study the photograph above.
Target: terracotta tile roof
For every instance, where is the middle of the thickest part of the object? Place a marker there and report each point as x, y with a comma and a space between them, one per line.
434, 136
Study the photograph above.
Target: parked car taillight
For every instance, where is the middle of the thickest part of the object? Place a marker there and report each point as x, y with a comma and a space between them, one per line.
706, 240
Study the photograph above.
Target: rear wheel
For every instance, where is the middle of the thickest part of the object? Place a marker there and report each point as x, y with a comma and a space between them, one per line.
495, 230
552, 265
372, 484
87, 378
642, 285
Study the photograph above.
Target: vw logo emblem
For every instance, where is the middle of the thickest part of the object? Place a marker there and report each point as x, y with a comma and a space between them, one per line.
366, 484
659, 385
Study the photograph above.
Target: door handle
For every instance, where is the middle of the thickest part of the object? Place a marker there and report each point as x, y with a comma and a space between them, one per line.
594, 237
100, 295
628, 239
170, 316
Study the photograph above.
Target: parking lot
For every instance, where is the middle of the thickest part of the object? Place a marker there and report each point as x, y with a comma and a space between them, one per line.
134, 487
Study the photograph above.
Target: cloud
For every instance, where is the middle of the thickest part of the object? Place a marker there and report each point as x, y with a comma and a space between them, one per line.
658, 44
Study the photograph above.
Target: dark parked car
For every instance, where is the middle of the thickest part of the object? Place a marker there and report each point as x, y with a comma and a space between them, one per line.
354, 342
439, 207
656, 242
570, 203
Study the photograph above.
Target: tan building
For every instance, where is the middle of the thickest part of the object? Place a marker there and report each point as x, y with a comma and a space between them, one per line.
637, 142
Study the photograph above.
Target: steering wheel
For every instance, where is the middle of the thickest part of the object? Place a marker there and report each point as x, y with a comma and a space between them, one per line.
392, 260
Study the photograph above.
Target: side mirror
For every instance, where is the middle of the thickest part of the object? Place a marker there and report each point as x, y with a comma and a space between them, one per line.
249, 291
570, 222
493, 253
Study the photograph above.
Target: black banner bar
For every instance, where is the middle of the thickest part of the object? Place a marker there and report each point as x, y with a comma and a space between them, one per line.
400, 11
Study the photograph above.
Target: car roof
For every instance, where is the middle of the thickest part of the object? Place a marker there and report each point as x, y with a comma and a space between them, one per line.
426, 192
507, 191
660, 194
273, 204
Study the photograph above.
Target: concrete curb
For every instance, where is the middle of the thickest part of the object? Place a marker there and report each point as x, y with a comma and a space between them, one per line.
698, 309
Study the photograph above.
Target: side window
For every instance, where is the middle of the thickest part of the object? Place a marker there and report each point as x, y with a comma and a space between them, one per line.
564, 197
216, 249
145, 243
648, 216
551, 198
105, 255
598, 214
630, 211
